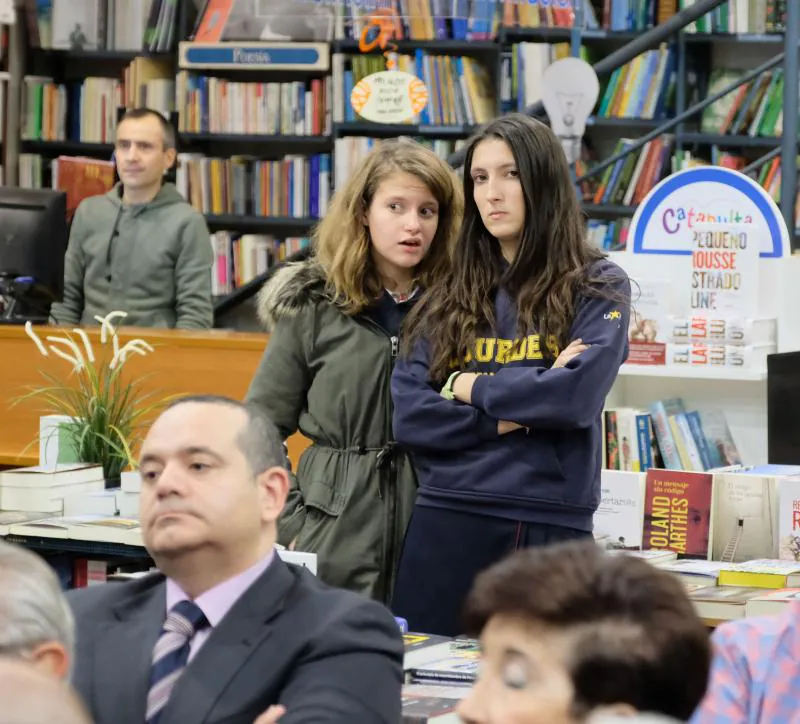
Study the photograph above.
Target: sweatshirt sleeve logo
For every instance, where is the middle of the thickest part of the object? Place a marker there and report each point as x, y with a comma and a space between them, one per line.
615, 314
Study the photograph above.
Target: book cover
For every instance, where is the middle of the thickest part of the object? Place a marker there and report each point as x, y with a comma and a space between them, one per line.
744, 517
620, 513
789, 518
677, 512
81, 178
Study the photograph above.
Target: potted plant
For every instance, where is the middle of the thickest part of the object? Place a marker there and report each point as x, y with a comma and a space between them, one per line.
105, 410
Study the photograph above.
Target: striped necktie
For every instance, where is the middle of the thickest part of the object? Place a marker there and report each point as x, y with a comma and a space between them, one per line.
171, 654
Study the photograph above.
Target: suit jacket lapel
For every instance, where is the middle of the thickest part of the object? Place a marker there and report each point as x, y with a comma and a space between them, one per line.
229, 646
124, 648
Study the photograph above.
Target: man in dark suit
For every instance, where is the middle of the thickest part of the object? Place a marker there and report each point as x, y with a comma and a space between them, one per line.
226, 629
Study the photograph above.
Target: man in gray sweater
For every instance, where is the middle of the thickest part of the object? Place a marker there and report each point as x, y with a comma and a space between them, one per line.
140, 248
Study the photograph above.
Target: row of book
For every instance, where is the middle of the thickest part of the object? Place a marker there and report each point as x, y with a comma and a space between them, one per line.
728, 591
631, 178
295, 186
731, 534
219, 105
301, 186
239, 258
522, 69
754, 109
635, 15
470, 19
731, 514
612, 15
348, 152
460, 93
459, 88
538, 14
627, 181
643, 88
609, 235
88, 110
742, 16
422, 19
480, 19
87, 113
667, 435
152, 24
102, 24
734, 16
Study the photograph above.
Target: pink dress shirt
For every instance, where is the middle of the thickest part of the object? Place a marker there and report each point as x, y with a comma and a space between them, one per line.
217, 601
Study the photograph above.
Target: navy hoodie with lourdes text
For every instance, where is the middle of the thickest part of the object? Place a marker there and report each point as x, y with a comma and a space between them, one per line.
549, 473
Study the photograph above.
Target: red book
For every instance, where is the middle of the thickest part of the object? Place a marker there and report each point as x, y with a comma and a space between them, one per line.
677, 512
81, 178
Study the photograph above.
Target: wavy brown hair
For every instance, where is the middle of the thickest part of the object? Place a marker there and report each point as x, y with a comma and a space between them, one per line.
552, 268
342, 242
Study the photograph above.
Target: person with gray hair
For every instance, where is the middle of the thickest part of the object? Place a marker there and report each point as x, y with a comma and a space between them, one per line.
36, 622
225, 629
30, 696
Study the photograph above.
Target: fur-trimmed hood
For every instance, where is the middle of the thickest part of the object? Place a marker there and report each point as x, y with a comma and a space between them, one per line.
290, 288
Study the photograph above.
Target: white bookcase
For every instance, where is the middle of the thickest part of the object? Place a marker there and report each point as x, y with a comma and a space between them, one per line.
740, 392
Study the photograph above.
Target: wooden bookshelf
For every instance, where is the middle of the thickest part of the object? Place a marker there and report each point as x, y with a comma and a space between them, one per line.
491, 53
261, 140
254, 223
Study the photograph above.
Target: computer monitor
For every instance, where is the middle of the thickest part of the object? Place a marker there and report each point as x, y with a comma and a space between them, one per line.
33, 241
783, 398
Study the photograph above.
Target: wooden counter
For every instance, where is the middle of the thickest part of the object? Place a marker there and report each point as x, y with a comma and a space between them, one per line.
209, 362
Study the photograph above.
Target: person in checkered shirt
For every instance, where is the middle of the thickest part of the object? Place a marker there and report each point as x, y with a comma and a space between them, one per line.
755, 675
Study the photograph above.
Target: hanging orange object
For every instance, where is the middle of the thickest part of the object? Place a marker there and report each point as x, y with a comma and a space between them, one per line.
385, 20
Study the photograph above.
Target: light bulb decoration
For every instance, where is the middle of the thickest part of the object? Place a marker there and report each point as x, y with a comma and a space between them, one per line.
570, 90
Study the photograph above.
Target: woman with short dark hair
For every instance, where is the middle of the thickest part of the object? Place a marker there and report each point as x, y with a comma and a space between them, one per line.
570, 632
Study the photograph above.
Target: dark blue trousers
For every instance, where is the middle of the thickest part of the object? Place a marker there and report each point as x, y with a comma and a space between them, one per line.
445, 550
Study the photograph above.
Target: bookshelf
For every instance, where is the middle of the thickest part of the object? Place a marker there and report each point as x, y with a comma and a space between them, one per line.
339, 138
694, 373
255, 155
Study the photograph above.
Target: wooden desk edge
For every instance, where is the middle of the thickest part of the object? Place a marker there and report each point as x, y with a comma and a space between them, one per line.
220, 338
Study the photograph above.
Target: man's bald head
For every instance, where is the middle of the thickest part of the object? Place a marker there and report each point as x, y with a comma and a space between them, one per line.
31, 697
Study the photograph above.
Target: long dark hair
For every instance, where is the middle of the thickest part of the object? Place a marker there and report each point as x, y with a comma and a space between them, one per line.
552, 268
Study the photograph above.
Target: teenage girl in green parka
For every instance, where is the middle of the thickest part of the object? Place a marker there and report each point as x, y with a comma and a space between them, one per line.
334, 321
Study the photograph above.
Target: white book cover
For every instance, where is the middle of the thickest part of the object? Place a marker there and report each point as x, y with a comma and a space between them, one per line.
75, 24
652, 306
299, 558
37, 476
789, 518
745, 517
50, 500
694, 568
620, 515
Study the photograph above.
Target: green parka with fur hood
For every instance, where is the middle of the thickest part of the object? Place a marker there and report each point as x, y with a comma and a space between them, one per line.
327, 374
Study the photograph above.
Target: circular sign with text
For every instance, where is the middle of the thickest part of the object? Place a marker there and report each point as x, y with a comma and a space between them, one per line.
697, 197
390, 96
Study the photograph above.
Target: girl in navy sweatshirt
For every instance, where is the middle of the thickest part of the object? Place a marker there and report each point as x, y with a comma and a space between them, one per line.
500, 387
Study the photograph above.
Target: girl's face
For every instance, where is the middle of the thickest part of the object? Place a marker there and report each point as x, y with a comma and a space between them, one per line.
497, 191
402, 221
